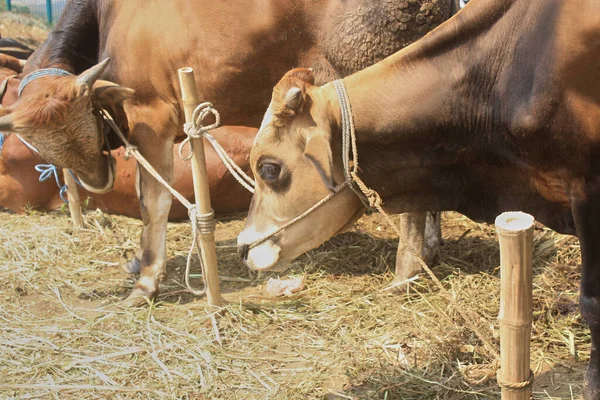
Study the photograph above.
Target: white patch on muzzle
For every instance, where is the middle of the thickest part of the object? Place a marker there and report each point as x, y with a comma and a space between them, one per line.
263, 257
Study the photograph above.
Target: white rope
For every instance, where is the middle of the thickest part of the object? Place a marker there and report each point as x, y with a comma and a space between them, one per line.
195, 130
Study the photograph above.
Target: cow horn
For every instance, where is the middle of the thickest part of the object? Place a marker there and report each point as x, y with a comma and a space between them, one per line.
293, 98
90, 75
6, 124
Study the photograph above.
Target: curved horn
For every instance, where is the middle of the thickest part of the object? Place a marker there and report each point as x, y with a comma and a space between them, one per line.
6, 124
293, 98
90, 75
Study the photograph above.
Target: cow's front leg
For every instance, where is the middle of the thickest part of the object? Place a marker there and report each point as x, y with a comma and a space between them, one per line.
423, 234
155, 203
587, 220
134, 265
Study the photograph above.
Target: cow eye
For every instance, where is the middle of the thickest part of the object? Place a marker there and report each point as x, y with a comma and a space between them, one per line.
269, 171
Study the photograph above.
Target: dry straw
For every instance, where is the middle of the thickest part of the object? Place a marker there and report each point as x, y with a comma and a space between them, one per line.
344, 336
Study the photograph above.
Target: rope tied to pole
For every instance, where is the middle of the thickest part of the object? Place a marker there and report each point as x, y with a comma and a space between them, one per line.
195, 130
515, 387
203, 224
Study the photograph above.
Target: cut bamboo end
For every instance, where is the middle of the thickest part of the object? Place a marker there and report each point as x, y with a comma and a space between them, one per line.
514, 222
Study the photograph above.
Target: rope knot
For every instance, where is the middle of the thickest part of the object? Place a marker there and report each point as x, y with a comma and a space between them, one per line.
129, 149
195, 130
205, 223
48, 170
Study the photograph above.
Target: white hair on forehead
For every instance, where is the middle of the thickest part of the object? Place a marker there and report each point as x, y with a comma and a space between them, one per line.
266, 119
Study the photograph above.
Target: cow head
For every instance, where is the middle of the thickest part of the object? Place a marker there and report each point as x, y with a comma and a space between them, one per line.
59, 116
295, 166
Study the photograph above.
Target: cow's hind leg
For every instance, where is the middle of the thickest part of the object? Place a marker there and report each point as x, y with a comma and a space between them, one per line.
587, 219
422, 232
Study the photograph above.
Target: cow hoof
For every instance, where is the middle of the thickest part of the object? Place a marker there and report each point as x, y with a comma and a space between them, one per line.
591, 384
139, 297
133, 266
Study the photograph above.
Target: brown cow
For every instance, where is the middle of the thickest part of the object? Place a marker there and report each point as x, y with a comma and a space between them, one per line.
497, 109
20, 186
239, 49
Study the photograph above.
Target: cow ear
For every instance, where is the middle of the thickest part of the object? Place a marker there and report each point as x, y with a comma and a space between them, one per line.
318, 151
110, 96
108, 93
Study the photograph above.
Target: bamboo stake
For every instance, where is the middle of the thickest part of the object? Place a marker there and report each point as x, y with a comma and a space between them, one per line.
515, 234
201, 190
73, 197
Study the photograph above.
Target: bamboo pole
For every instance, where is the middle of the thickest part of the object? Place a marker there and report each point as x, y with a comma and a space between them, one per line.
201, 190
74, 200
515, 234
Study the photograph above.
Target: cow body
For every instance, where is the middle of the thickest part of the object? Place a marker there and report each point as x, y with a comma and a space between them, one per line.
14, 49
497, 109
238, 48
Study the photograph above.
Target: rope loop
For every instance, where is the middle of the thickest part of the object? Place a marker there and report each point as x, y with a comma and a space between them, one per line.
184, 143
129, 149
478, 374
514, 387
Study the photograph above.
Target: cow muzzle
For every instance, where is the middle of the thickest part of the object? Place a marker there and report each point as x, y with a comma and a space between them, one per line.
104, 185
264, 257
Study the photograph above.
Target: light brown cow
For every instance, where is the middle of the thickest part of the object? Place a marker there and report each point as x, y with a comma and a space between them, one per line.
20, 187
239, 50
497, 109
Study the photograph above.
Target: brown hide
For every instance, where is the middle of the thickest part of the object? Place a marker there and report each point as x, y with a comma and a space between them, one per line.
226, 194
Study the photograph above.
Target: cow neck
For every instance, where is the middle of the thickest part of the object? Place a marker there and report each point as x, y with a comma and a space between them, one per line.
73, 44
409, 99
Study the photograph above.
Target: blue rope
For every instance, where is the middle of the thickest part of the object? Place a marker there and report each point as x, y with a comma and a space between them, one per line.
2, 139
46, 171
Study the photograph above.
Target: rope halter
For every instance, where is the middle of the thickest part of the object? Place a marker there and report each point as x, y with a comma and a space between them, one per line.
351, 178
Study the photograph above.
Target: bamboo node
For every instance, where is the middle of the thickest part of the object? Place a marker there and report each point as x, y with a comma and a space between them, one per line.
514, 386
523, 326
